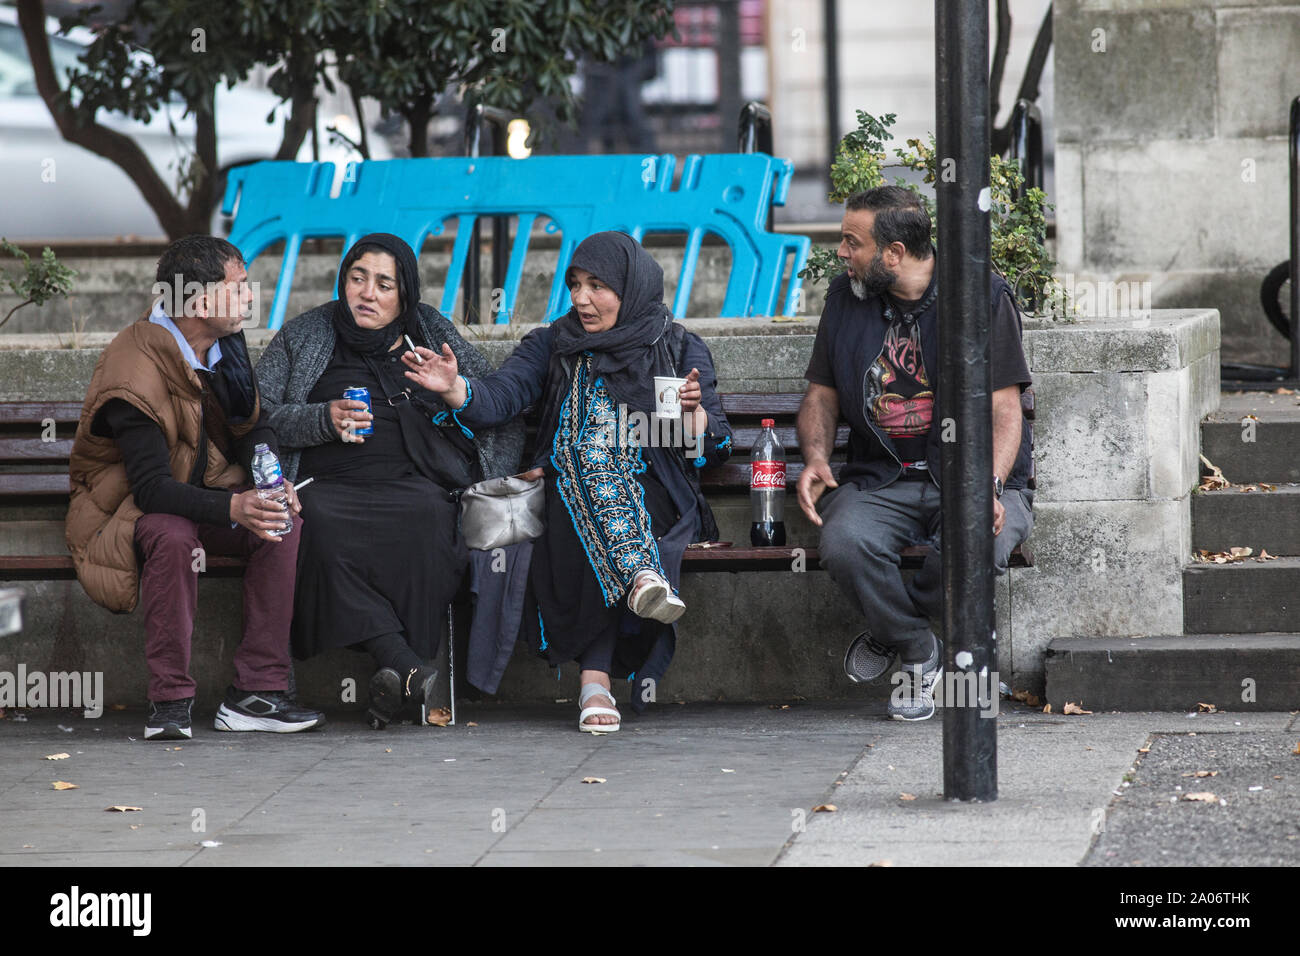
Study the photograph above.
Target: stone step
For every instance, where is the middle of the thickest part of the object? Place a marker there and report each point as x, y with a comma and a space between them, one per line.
1258, 519
1249, 596
1255, 449
1234, 672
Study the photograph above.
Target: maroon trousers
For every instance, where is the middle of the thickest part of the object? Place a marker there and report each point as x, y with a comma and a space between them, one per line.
169, 589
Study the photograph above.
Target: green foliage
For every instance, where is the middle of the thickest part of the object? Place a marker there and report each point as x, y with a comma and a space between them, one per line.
505, 53
39, 281
1018, 224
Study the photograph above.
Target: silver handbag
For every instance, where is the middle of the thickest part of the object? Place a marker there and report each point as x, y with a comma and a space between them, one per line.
502, 511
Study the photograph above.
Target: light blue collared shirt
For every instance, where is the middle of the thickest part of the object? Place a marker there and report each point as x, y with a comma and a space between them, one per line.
159, 316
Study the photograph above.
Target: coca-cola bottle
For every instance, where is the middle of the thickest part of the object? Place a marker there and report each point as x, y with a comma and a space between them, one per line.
767, 489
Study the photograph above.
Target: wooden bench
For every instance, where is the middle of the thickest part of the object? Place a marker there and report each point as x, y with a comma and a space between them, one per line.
34, 472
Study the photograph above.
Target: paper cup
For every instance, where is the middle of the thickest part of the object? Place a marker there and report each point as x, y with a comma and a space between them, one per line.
668, 401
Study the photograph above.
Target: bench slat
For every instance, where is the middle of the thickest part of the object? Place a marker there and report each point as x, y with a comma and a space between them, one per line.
27, 484
34, 413
34, 449
760, 404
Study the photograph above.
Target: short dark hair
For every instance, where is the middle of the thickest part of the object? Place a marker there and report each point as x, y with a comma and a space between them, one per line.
900, 216
359, 250
200, 259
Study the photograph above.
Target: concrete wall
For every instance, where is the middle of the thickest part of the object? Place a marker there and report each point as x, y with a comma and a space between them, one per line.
1116, 448
1171, 153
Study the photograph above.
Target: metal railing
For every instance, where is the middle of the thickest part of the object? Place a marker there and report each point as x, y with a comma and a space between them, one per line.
471, 300
755, 135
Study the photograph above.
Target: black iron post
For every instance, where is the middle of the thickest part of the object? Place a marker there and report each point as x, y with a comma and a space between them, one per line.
755, 136
1027, 144
728, 64
830, 22
1294, 372
498, 119
965, 404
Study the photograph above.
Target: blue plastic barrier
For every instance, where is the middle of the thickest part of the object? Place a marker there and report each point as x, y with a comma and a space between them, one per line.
727, 195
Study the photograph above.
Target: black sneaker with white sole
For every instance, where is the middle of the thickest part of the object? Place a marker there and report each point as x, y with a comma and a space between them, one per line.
269, 710
169, 720
913, 694
866, 660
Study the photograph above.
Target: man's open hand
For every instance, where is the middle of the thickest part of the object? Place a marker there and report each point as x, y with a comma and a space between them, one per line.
815, 478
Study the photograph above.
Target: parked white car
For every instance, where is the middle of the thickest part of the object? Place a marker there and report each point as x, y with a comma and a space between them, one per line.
51, 189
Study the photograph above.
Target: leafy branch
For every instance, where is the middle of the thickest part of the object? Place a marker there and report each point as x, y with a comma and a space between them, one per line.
39, 281
1018, 223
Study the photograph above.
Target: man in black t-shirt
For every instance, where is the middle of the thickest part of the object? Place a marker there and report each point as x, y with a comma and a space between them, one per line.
875, 365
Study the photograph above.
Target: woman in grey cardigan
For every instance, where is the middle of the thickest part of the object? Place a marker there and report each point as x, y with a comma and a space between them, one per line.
380, 556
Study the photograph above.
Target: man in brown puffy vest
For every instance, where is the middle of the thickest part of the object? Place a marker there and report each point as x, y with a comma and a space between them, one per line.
162, 453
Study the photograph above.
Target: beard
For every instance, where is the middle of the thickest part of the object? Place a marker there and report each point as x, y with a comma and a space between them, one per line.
877, 280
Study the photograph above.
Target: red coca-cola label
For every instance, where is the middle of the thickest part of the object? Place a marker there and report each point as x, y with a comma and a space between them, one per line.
767, 474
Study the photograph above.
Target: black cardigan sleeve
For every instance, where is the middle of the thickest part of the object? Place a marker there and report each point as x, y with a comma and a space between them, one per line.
148, 470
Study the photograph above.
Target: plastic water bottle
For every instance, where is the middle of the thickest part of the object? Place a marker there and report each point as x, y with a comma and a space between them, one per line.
767, 489
269, 481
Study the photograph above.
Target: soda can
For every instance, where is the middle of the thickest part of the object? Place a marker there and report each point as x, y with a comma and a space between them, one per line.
359, 393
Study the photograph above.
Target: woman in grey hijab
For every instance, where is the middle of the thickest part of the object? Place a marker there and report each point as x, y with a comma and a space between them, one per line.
622, 503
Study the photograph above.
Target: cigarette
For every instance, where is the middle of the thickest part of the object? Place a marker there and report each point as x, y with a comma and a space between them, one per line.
303, 484
413, 351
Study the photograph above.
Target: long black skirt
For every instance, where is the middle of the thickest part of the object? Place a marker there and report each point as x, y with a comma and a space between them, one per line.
565, 610
375, 558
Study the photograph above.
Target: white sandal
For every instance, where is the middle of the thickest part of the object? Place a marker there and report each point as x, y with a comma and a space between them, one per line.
595, 690
652, 597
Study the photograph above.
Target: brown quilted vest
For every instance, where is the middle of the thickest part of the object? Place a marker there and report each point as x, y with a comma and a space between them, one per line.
144, 366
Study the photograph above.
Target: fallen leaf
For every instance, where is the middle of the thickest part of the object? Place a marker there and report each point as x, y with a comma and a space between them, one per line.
439, 717
388, 750
1265, 556
882, 863
64, 785
1203, 796
825, 808
471, 724
1215, 479
1026, 697
593, 779
907, 796
122, 808
135, 826
1297, 749
1284, 391
1073, 708
1204, 708
1144, 750
57, 756
1203, 773
1240, 553
1047, 709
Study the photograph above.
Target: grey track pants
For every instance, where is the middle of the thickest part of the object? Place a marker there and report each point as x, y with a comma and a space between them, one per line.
865, 531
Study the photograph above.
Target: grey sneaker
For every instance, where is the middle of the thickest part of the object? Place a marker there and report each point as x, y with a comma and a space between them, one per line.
913, 696
866, 660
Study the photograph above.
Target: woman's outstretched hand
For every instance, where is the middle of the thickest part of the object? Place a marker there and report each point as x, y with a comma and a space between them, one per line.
435, 371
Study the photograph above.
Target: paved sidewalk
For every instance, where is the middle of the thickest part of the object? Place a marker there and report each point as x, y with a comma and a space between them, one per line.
685, 785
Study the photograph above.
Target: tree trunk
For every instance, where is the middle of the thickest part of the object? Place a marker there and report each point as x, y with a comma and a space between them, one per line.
302, 114
118, 149
417, 117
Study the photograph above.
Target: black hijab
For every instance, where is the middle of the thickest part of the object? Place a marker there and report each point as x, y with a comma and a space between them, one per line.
377, 342
630, 354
